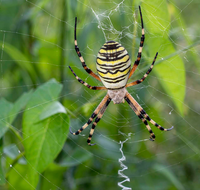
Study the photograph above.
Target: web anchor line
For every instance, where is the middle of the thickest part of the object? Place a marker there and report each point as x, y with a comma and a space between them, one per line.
124, 167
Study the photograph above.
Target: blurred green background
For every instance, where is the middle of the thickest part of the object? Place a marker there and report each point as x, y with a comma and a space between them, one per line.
41, 99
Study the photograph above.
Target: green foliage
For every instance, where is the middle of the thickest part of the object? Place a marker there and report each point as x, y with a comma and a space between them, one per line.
44, 122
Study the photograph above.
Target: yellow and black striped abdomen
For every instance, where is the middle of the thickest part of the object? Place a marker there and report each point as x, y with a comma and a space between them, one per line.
113, 65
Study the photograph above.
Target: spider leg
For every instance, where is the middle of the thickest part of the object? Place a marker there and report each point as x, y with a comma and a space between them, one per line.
96, 111
80, 56
145, 75
86, 84
137, 61
137, 112
97, 120
133, 103
141, 110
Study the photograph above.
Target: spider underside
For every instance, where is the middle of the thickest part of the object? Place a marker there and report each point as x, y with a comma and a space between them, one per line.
117, 96
114, 70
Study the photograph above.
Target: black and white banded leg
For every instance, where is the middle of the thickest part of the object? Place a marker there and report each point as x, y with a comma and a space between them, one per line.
137, 112
86, 84
96, 111
143, 115
89, 71
97, 120
141, 110
137, 61
145, 75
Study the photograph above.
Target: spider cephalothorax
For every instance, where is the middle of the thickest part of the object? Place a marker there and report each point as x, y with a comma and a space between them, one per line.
114, 69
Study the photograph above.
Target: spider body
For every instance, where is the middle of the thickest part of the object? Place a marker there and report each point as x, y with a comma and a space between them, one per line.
114, 70
113, 65
118, 95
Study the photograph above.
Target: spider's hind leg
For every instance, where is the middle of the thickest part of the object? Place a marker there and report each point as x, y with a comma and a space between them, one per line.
141, 110
152, 121
97, 120
100, 108
128, 98
84, 126
143, 115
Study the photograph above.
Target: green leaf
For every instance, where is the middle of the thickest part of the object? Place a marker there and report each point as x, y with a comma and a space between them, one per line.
78, 156
156, 19
5, 108
44, 139
18, 178
52, 109
171, 75
171, 72
180, 23
49, 181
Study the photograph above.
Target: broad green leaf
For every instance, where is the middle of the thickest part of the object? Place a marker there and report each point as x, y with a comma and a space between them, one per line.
78, 156
168, 174
44, 143
5, 108
180, 22
49, 181
171, 72
44, 139
19, 179
156, 19
52, 109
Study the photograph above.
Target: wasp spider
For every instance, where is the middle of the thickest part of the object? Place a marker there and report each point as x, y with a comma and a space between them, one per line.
114, 69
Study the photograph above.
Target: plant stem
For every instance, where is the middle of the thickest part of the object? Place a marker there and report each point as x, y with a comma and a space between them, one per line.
62, 44
16, 133
14, 162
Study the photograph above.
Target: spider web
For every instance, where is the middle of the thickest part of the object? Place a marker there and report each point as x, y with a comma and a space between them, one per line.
129, 158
